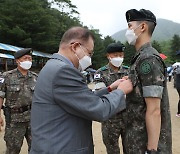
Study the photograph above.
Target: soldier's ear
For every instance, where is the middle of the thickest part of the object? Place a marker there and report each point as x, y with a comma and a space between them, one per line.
17, 61
144, 26
74, 45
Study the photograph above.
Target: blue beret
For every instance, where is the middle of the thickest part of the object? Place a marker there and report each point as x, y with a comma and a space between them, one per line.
22, 52
115, 47
141, 15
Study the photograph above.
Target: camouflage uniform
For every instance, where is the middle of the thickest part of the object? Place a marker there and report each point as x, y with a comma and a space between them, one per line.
148, 74
17, 90
115, 126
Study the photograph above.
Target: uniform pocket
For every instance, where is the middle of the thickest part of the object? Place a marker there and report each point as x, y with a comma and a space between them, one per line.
13, 92
14, 88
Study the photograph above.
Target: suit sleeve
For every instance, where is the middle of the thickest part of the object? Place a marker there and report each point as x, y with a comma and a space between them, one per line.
73, 95
102, 92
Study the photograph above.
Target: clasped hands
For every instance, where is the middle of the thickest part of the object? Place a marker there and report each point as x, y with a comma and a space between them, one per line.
123, 84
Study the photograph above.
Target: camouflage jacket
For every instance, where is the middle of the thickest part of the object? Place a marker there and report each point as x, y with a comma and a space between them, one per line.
107, 75
148, 75
17, 91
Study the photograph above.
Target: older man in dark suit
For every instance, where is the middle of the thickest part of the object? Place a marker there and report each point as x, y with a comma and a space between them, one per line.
63, 106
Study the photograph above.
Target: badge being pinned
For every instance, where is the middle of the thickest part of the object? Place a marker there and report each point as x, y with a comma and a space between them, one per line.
1, 80
145, 67
97, 76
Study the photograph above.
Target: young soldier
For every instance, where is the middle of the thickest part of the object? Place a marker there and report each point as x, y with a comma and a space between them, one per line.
113, 128
148, 128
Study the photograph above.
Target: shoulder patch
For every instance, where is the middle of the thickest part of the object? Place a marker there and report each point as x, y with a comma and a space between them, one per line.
145, 67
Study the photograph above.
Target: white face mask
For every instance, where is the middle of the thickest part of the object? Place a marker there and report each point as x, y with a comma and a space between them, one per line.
131, 36
84, 62
117, 61
26, 64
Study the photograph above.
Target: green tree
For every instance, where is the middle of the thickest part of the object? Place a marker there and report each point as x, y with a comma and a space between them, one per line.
33, 23
108, 40
166, 49
64, 6
175, 46
128, 53
99, 58
98, 48
175, 43
157, 46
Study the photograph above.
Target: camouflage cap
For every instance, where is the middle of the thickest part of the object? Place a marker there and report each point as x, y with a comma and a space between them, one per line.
141, 15
115, 47
22, 52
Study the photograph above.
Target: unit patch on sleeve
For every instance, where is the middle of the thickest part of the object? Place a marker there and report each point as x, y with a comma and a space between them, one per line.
145, 67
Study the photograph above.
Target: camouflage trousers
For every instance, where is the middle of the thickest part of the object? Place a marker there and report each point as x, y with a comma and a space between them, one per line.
14, 136
112, 129
136, 139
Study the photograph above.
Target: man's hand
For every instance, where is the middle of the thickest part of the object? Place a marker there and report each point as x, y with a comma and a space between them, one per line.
115, 84
1, 122
126, 86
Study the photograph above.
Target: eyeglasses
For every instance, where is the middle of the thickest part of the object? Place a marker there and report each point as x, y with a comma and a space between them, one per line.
90, 52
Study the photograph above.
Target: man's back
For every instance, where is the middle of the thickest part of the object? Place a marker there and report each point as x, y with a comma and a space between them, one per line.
63, 109
56, 131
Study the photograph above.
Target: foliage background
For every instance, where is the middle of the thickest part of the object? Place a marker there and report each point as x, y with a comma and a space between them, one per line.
40, 25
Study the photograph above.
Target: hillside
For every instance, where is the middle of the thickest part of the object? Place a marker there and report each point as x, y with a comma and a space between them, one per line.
164, 30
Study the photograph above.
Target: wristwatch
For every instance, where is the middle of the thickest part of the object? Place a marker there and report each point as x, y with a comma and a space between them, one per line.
109, 89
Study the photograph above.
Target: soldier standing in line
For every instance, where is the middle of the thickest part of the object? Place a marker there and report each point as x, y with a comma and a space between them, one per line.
17, 86
113, 128
148, 129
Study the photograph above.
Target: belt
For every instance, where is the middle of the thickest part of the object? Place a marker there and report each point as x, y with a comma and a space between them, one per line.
20, 109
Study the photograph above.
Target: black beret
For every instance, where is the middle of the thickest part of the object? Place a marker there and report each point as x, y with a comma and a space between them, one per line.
141, 15
115, 47
22, 52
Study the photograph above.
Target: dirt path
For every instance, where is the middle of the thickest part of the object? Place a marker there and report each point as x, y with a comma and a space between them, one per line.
100, 148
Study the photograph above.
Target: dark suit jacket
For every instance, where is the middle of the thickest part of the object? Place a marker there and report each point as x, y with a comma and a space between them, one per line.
63, 109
